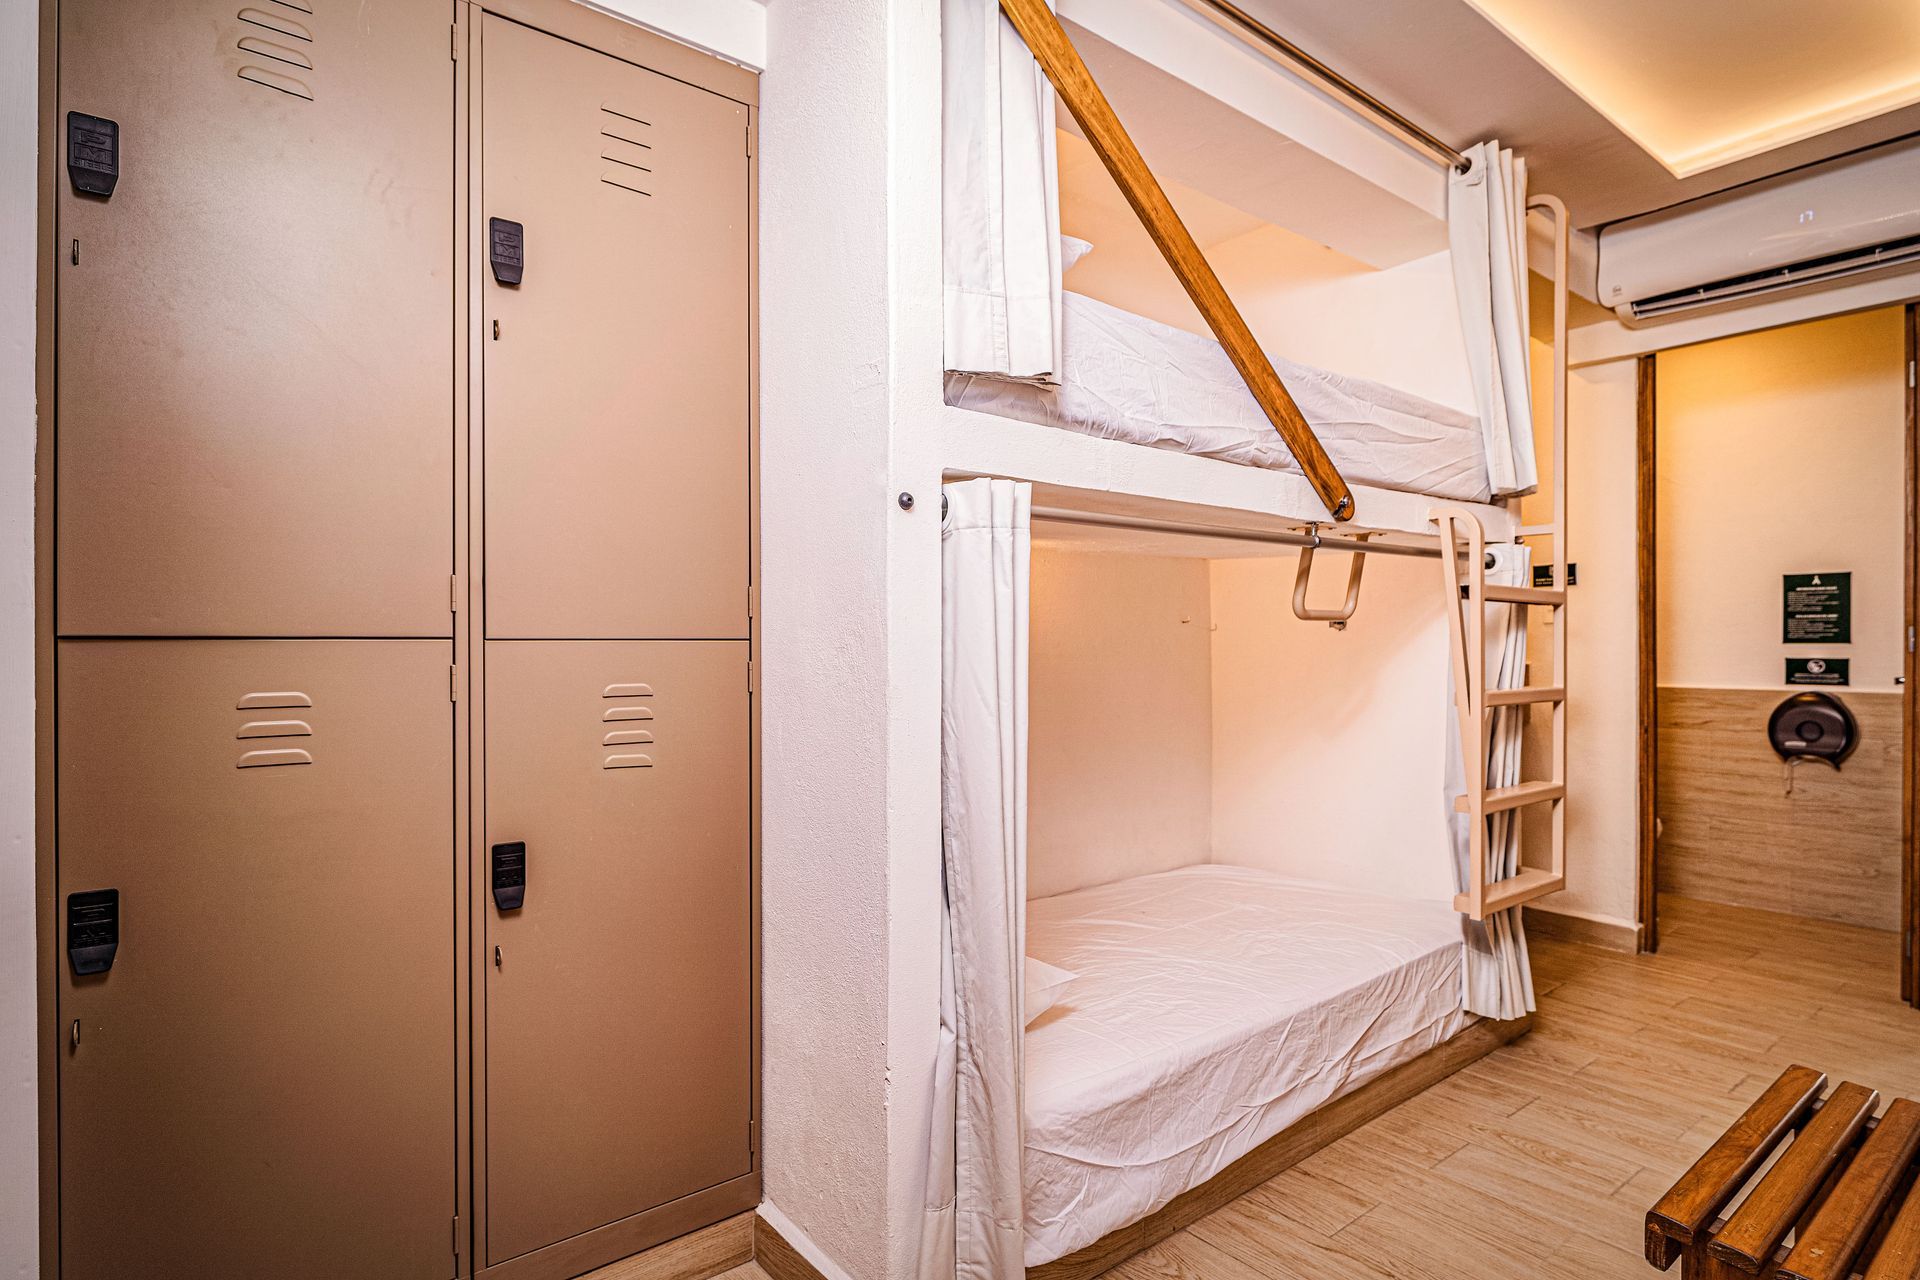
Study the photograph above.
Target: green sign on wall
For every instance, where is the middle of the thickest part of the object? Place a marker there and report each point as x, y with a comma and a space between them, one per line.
1818, 609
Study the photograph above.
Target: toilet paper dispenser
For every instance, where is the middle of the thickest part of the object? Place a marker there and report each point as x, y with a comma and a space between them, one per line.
1813, 726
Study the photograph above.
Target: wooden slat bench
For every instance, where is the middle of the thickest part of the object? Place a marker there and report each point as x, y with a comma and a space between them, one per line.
1837, 1200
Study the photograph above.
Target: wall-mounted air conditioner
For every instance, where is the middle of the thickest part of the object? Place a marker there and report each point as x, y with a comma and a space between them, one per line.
1828, 222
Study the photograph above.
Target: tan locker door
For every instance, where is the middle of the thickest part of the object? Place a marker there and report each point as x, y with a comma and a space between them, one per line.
255, 346
263, 1083
617, 391
618, 1018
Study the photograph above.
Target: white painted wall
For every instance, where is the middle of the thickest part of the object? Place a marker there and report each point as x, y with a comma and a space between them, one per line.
1119, 767
850, 317
1603, 637
1781, 452
1329, 746
734, 29
19, 1096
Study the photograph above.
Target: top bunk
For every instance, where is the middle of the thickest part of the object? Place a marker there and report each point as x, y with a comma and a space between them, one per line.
1027, 345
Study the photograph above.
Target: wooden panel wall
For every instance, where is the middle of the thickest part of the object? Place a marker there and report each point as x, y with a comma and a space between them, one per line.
1731, 833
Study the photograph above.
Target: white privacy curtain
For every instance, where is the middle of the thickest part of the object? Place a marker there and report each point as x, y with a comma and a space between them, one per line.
1487, 234
972, 1223
1000, 198
1498, 980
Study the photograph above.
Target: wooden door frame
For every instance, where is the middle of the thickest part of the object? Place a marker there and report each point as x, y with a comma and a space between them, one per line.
1909, 709
1647, 891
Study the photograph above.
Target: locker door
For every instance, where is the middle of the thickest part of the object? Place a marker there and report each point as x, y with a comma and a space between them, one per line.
617, 389
262, 1083
618, 1012
255, 342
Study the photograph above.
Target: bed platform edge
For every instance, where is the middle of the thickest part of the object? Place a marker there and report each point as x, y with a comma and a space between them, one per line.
1287, 1148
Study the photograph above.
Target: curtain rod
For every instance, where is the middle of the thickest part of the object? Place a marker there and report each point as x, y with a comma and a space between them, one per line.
1285, 538
1286, 49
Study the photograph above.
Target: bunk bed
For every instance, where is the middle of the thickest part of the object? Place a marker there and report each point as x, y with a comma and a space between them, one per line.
1225, 1023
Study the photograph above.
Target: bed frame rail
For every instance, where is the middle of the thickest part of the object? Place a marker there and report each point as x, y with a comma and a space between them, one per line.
1056, 55
1464, 579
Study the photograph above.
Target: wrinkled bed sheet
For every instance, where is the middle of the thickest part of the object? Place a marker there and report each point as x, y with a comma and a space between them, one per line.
1130, 378
1214, 1007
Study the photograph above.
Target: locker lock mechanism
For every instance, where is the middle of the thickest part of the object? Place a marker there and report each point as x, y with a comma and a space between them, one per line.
93, 154
510, 875
506, 250
93, 930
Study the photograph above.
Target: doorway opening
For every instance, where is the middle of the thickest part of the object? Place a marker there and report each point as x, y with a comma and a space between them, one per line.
1777, 530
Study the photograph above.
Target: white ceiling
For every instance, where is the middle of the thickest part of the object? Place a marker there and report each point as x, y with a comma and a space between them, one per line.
1610, 100
1705, 83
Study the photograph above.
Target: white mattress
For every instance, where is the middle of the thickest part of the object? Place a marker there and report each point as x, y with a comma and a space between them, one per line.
1130, 378
1214, 1007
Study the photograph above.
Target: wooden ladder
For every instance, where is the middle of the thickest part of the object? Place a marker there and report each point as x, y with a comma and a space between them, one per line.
1463, 566
1463, 560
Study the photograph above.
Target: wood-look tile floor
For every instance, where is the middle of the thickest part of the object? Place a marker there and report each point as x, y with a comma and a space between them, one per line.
1541, 1159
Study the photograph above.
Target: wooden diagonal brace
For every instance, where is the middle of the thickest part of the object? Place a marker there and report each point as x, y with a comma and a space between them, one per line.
1041, 30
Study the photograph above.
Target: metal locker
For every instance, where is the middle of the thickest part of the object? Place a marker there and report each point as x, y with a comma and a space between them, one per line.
617, 346
256, 965
255, 333
618, 1005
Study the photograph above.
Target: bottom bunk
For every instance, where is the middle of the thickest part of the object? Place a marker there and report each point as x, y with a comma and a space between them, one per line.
1214, 1014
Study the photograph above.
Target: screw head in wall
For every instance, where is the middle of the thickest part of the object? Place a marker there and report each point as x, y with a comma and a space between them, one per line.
906, 502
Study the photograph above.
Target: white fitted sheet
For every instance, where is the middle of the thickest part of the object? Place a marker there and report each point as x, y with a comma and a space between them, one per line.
1214, 1007
1129, 378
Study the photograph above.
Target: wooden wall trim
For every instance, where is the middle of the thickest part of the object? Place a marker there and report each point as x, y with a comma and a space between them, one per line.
1613, 935
1645, 505
779, 1259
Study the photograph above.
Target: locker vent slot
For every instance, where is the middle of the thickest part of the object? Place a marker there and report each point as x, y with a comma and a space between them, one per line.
268, 759
276, 22
626, 737
275, 729
278, 52
621, 737
262, 701
623, 145
282, 25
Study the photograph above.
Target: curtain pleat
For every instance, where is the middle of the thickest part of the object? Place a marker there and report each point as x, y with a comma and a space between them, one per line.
1497, 981
1000, 198
972, 1228
1487, 238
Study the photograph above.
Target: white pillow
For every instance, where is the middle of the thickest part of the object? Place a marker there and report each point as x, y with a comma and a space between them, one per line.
1045, 982
1072, 249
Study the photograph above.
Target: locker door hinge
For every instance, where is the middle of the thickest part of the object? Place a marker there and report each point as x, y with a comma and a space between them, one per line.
750, 684
753, 1136
453, 684
456, 1244
749, 142
455, 42
453, 593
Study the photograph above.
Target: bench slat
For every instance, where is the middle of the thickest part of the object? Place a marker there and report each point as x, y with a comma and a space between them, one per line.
1898, 1257
1688, 1208
1829, 1247
1762, 1222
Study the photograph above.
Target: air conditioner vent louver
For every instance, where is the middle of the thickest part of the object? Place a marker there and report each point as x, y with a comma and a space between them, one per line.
1835, 266
1804, 229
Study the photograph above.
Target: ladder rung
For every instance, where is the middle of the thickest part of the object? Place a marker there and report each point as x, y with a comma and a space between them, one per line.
1523, 595
1500, 799
1518, 697
1513, 891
